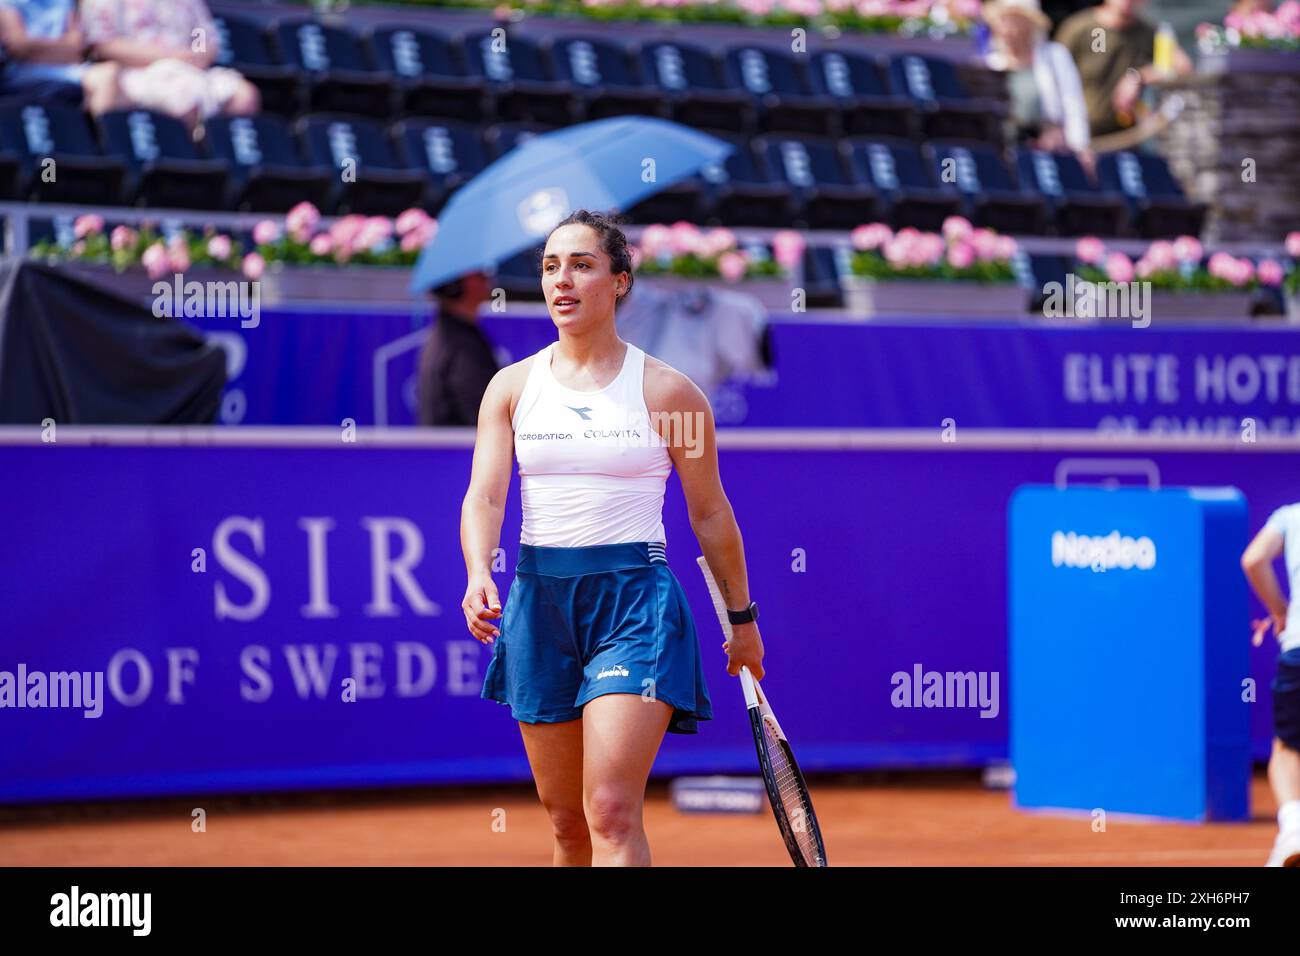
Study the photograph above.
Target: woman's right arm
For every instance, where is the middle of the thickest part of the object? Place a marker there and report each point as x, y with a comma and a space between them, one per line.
484, 507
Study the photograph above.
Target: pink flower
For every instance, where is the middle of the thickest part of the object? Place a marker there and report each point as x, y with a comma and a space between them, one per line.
985, 242
178, 256
732, 266
634, 252
122, 237
1162, 256
301, 221
718, 241
374, 231
322, 244
871, 236
266, 232
154, 260
956, 228
88, 225
1143, 269
656, 240
410, 220
254, 265
928, 249
1007, 248
1091, 250
961, 255
1243, 272
345, 230
1293, 245
1271, 272
896, 251
219, 247
684, 238
1221, 266
1119, 267
787, 249
1188, 249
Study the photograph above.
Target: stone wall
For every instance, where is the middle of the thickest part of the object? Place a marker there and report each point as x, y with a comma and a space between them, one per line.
1229, 118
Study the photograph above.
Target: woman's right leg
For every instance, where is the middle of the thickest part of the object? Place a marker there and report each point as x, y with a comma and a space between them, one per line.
555, 754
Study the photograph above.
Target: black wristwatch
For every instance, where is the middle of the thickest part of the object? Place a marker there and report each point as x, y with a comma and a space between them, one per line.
747, 616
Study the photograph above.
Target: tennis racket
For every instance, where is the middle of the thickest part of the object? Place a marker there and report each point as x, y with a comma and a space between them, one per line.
786, 789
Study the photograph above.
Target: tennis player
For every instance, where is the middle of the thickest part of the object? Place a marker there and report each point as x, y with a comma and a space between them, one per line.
1282, 531
596, 653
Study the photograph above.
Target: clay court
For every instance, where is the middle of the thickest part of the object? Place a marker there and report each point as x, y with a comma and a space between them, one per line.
933, 819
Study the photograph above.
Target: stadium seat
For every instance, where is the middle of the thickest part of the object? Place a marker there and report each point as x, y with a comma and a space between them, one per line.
1078, 205
80, 173
740, 191
246, 46
947, 111
900, 177
369, 178
430, 80
166, 168
691, 82
991, 194
520, 82
338, 74
862, 96
814, 171
602, 74
1157, 202
780, 92
447, 152
266, 170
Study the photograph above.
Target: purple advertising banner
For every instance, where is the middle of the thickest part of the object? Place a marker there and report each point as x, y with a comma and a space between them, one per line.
308, 368
273, 610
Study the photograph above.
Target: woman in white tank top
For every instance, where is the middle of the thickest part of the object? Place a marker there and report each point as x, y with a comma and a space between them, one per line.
596, 652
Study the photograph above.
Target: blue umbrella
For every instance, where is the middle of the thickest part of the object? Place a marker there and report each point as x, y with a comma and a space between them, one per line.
517, 200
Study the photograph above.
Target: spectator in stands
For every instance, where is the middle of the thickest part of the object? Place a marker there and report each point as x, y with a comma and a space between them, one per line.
46, 51
1047, 105
1114, 48
457, 361
166, 49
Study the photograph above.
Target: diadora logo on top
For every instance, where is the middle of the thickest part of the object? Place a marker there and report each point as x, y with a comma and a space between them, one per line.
1102, 553
618, 670
582, 412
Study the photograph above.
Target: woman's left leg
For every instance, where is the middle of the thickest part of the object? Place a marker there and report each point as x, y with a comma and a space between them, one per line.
621, 734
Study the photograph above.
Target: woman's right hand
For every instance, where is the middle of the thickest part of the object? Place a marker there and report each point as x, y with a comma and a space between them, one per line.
482, 605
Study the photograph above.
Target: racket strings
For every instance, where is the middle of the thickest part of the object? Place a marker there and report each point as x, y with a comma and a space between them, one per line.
798, 809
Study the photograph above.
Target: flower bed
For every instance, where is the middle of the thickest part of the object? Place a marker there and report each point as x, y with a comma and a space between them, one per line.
961, 271
933, 18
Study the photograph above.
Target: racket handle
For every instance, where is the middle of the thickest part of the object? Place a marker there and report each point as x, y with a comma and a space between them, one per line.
748, 685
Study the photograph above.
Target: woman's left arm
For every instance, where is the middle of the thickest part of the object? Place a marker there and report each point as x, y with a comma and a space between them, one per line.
680, 413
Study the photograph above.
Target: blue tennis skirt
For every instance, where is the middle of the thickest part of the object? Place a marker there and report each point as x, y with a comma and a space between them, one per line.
604, 619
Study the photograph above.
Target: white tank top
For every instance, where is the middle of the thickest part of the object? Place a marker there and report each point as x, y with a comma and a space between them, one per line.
592, 470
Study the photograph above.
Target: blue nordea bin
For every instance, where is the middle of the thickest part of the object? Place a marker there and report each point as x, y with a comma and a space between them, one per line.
1128, 649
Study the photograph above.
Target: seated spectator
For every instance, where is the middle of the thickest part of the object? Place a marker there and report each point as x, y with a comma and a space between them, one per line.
166, 49
1114, 48
46, 52
1047, 105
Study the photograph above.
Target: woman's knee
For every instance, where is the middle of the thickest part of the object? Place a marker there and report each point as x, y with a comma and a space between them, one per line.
569, 825
613, 814
246, 101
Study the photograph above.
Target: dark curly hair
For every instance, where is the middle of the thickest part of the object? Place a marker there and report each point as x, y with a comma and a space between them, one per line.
612, 240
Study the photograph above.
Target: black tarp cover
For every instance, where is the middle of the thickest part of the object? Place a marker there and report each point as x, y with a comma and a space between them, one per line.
80, 354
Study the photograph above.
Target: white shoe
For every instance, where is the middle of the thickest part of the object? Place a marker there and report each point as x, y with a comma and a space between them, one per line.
1286, 849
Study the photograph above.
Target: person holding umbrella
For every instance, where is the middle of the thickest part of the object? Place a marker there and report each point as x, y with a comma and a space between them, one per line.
457, 360
596, 653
